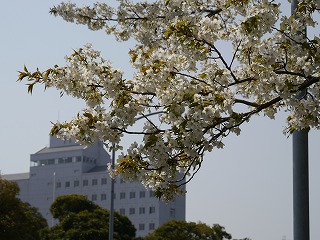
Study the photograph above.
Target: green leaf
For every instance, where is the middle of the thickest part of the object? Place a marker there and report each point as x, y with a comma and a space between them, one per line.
54, 130
202, 75
88, 115
30, 87
22, 75
45, 76
152, 139
302, 7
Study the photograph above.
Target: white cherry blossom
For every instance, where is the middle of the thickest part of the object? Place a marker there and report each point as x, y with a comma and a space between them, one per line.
201, 91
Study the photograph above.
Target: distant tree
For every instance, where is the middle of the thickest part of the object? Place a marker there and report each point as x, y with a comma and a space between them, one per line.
18, 220
182, 230
81, 219
73, 203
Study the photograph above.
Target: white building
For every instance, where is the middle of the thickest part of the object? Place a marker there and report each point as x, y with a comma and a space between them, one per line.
66, 168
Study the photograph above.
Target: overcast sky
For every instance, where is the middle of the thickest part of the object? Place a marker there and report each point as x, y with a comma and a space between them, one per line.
246, 187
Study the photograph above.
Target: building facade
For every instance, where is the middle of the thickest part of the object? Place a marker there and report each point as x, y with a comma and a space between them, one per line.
66, 168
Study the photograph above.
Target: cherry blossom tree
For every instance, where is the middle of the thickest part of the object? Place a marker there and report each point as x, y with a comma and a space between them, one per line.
199, 91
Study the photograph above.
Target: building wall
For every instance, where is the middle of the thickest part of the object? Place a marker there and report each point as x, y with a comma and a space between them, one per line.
57, 171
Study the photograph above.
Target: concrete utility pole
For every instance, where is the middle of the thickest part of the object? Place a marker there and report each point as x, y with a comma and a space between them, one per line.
300, 186
53, 193
111, 214
301, 229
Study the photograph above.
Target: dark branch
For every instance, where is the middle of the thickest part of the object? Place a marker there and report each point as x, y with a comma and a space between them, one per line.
252, 104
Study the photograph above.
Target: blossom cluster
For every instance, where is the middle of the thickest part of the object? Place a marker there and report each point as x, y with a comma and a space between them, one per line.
201, 90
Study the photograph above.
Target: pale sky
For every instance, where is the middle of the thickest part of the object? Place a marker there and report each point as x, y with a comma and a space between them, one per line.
246, 187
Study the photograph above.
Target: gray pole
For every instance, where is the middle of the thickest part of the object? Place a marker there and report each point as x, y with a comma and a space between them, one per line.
300, 186
301, 229
111, 216
53, 193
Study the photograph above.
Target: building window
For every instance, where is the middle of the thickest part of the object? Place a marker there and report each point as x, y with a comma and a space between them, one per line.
67, 184
94, 182
152, 226
132, 195
132, 211
85, 182
122, 195
58, 184
141, 227
103, 196
78, 159
103, 181
122, 211
76, 183
152, 210
142, 210
43, 162
50, 161
94, 197
172, 212
68, 160
142, 194
151, 194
